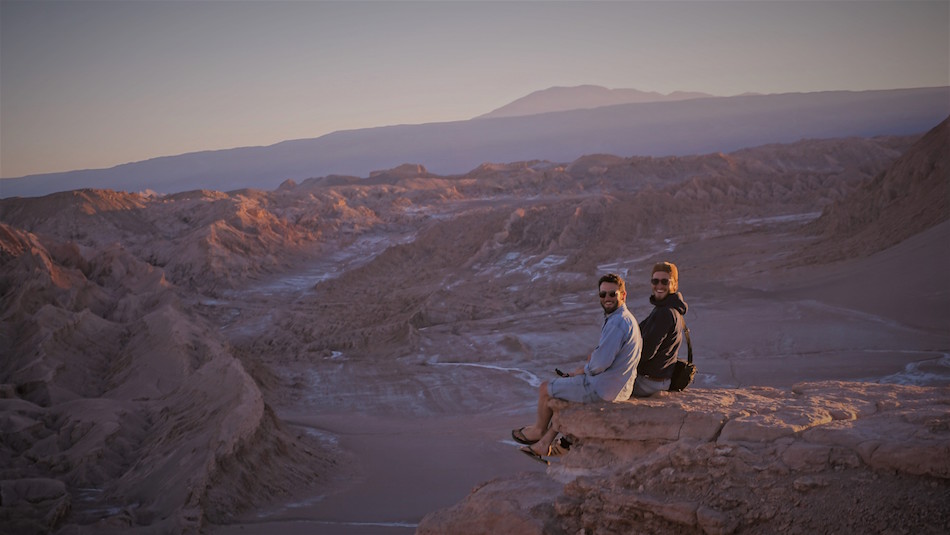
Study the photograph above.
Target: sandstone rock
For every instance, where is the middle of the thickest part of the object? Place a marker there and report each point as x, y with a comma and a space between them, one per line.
780, 458
714, 522
523, 511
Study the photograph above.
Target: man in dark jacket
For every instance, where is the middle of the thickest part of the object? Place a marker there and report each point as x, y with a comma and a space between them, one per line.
662, 332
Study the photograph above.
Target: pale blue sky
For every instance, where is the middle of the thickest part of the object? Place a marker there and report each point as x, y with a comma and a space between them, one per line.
90, 84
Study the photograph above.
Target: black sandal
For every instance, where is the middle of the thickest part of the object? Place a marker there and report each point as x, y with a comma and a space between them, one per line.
530, 453
518, 435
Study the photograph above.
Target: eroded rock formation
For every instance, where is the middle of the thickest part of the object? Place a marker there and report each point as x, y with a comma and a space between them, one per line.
145, 363
120, 407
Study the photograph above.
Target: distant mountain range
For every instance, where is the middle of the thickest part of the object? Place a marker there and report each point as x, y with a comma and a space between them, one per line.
656, 128
582, 97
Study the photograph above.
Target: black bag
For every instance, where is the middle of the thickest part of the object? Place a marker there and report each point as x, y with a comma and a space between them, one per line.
683, 371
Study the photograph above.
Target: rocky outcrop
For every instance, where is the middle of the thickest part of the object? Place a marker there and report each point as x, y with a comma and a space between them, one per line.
199, 239
406, 170
121, 408
826, 457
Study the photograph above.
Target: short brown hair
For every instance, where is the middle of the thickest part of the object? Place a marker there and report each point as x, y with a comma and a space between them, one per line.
612, 278
669, 267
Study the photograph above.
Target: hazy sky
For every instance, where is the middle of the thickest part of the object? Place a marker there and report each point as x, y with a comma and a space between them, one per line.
90, 84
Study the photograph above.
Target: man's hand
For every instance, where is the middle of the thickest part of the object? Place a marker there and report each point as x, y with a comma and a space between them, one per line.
579, 371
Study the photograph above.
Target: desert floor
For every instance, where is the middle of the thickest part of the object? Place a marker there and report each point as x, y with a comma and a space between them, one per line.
418, 432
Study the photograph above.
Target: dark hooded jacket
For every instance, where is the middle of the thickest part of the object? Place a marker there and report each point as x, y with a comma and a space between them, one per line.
662, 333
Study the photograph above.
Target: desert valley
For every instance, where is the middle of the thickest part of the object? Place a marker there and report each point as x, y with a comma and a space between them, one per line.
349, 354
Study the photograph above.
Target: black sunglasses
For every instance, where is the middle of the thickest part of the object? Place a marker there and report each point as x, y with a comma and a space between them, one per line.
612, 293
664, 282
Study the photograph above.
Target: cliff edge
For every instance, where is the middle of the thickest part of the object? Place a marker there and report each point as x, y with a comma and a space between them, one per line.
823, 457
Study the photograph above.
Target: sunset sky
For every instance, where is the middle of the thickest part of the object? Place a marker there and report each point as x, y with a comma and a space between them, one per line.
95, 84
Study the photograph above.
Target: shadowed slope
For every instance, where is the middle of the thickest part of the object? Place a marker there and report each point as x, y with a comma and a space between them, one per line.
909, 197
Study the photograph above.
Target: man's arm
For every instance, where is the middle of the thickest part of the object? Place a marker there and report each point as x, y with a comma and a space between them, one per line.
611, 339
653, 337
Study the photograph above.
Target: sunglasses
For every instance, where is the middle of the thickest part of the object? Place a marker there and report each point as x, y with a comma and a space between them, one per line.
612, 293
664, 282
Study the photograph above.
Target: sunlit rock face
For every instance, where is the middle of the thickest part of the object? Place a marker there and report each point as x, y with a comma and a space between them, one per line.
819, 457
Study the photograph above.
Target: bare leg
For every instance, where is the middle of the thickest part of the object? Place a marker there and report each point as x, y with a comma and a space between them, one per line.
540, 427
541, 446
544, 412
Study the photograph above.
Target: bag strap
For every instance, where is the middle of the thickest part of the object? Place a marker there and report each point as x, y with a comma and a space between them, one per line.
689, 345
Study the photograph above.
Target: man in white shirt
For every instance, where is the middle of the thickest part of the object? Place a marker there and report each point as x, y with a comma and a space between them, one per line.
609, 374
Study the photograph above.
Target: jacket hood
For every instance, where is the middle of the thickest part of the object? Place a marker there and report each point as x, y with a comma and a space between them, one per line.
674, 301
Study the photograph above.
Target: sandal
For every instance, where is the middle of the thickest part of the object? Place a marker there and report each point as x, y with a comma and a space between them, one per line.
530, 453
518, 435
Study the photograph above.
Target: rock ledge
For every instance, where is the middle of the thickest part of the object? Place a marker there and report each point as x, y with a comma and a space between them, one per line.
826, 457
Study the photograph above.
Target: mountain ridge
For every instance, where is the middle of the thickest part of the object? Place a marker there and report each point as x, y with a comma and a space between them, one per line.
560, 98
719, 124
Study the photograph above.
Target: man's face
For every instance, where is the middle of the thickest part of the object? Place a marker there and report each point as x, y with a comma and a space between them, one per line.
661, 285
611, 296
